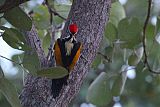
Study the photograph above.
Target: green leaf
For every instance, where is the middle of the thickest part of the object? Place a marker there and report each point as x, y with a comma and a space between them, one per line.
18, 18
14, 38
18, 57
14, 32
57, 20
41, 17
116, 88
116, 56
137, 8
114, 1
53, 72
96, 61
63, 10
117, 13
158, 30
1, 73
10, 37
41, 33
9, 91
99, 92
51, 2
150, 35
2, 2
150, 32
135, 58
129, 31
154, 56
31, 62
158, 25
2, 20
109, 51
111, 32
46, 42
139, 51
19, 35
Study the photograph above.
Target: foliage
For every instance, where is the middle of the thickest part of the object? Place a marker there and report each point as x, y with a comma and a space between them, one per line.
14, 35
9, 92
121, 51
125, 50
53, 72
24, 22
99, 89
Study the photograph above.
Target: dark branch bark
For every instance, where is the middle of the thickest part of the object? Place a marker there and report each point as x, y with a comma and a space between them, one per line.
35, 91
91, 17
34, 42
9, 4
52, 11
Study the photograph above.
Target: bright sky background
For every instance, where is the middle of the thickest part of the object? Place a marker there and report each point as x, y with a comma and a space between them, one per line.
7, 52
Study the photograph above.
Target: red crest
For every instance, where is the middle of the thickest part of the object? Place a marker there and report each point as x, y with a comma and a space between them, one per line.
73, 28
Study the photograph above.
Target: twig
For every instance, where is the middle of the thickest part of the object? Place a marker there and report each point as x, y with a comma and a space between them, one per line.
52, 11
53, 32
22, 70
57, 14
10, 60
49, 10
50, 56
144, 39
1, 72
20, 64
105, 57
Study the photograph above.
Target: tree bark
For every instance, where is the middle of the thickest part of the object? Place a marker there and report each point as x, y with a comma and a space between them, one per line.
91, 17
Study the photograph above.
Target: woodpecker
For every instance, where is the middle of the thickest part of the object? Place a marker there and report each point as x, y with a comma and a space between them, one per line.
67, 52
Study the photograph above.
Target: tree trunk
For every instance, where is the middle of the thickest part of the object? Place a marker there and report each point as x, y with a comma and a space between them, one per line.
91, 17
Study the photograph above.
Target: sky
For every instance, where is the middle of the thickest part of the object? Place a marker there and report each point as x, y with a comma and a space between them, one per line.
8, 52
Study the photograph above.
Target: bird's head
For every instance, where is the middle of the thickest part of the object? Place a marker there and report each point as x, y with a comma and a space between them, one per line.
73, 29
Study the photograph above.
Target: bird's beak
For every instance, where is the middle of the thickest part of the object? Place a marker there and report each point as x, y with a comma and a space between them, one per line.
74, 34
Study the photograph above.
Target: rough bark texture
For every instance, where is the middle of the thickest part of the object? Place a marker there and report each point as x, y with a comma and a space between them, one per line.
9, 4
91, 17
35, 91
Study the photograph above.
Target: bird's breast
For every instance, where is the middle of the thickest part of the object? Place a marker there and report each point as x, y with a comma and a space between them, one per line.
68, 46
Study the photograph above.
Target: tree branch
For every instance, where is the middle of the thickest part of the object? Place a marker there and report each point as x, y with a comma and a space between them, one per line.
9, 4
1, 73
146, 63
35, 43
35, 92
105, 57
50, 56
10, 60
52, 11
91, 17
